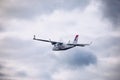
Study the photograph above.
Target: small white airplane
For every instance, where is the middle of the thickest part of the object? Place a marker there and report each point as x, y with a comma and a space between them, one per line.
58, 46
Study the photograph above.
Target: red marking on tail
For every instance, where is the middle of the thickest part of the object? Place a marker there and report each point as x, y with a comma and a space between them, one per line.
76, 37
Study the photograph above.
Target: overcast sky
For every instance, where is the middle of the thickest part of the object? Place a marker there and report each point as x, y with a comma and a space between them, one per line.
22, 58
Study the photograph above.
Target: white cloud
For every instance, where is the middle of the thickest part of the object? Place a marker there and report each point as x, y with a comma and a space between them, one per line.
61, 22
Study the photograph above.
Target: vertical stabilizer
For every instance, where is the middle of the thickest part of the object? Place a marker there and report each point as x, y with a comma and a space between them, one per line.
76, 39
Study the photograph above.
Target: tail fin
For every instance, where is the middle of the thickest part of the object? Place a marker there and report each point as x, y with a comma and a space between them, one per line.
76, 39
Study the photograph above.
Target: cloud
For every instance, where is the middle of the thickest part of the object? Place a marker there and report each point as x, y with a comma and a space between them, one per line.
3, 74
28, 59
23, 52
14, 43
111, 11
1, 29
21, 74
114, 73
77, 58
15, 50
28, 8
108, 58
8, 73
113, 53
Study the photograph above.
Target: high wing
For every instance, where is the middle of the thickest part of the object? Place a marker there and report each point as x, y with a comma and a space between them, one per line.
53, 42
82, 45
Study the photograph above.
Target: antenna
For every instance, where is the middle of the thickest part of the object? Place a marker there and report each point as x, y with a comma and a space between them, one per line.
69, 42
49, 39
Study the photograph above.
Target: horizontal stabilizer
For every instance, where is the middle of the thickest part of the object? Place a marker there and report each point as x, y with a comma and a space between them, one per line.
82, 45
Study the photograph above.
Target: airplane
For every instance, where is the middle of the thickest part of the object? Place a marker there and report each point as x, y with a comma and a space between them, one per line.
59, 46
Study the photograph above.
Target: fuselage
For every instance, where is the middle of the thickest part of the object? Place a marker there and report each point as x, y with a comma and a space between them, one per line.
59, 47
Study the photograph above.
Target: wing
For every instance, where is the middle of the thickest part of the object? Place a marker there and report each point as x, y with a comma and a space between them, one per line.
82, 45
53, 42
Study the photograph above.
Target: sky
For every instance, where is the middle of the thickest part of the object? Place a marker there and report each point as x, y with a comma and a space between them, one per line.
22, 58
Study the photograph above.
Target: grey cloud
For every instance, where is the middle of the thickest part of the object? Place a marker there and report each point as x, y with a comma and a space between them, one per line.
7, 72
115, 52
106, 43
1, 66
24, 51
3, 75
71, 59
29, 54
12, 47
14, 43
21, 74
110, 47
30, 8
114, 46
1, 29
111, 11
78, 58
113, 73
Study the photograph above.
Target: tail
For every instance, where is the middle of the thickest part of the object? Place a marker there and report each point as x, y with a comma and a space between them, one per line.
76, 39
